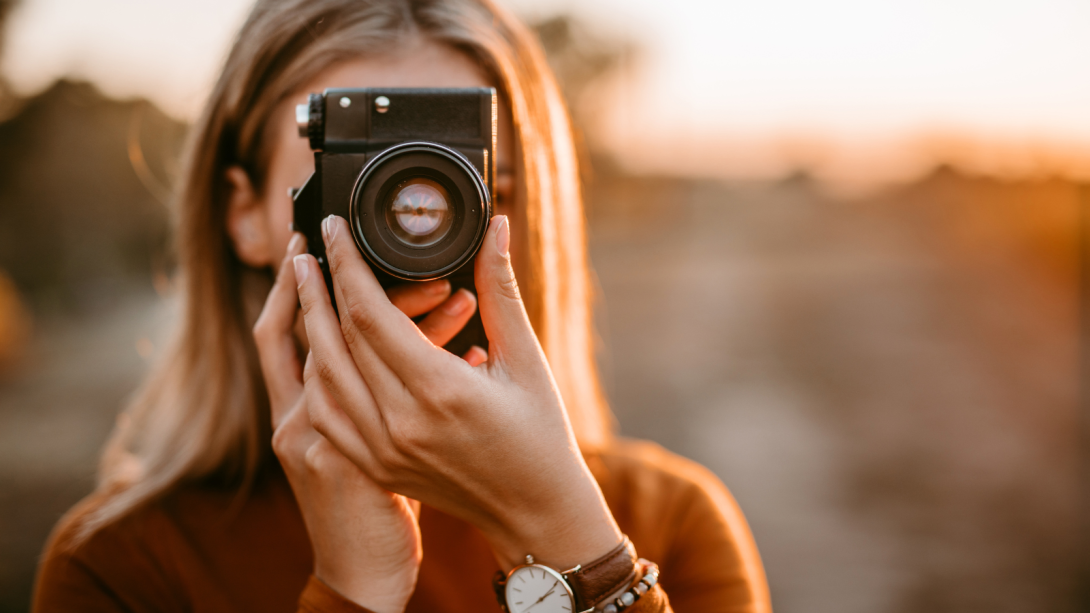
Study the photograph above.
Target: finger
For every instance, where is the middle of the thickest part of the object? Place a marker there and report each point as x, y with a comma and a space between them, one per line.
330, 360
273, 336
292, 436
475, 356
380, 378
510, 335
418, 298
382, 339
327, 419
444, 323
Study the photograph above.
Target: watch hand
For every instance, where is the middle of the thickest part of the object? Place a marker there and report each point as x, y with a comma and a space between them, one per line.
546, 595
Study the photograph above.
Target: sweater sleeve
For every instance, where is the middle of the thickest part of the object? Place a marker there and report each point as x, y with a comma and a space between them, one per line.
64, 584
712, 564
681, 516
70, 582
318, 597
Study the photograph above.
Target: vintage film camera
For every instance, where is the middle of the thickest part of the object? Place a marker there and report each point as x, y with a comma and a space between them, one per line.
411, 170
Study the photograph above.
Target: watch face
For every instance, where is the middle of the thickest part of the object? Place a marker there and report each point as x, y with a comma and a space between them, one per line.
538, 589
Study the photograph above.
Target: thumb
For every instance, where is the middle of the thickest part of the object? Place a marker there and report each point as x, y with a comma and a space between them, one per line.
510, 335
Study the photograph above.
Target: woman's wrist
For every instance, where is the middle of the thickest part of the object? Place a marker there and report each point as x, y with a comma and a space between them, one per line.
578, 530
388, 594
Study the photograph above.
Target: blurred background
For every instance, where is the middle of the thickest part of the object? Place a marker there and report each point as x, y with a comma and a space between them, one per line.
837, 248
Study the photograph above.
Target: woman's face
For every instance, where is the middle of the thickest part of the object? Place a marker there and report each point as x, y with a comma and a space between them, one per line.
259, 223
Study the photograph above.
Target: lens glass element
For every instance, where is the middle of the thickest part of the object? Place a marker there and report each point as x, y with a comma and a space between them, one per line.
419, 211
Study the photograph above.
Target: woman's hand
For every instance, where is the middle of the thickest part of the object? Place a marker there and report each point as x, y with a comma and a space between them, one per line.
490, 443
366, 540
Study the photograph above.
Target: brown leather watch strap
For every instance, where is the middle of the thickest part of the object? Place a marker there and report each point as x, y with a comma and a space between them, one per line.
592, 583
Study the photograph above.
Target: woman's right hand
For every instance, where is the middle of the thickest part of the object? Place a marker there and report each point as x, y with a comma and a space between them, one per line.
366, 540
490, 445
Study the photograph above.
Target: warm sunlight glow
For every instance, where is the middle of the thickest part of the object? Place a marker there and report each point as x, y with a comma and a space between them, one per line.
855, 90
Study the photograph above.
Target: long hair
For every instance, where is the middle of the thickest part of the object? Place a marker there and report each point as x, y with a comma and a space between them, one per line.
203, 414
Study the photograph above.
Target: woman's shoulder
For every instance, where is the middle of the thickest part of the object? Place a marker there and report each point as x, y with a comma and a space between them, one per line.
650, 480
99, 568
639, 465
681, 516
195, 543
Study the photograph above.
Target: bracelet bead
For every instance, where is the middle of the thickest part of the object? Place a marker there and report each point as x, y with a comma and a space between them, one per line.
630, 596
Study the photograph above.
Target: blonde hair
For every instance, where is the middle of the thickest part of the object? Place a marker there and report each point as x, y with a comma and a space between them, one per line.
203, 412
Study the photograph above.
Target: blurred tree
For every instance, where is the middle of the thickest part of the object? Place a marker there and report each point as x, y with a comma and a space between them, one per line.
76, 220
15, 319
6, 7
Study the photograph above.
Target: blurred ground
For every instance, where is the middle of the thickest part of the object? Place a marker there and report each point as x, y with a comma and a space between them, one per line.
55, 413
894, 409
887, 384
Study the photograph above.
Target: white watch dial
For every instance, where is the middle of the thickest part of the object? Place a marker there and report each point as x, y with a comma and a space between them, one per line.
538, 589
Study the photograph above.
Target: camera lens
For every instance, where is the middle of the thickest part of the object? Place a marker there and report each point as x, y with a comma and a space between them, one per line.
418, 211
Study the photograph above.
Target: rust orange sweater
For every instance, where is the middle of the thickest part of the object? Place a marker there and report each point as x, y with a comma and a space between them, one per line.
201, 549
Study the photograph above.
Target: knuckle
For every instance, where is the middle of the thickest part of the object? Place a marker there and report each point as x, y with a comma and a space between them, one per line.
321, 422
361, 318
334, 462
350, 332
314, 459
260, 326
281, 444
508, 287
323, 368
262, 330
319, 419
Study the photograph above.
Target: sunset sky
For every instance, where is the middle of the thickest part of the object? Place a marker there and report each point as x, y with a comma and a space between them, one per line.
850, 88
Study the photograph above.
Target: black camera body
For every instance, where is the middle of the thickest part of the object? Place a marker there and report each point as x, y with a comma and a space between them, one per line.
411, 170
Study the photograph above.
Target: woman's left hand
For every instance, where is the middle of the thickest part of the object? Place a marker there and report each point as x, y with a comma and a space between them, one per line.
490, 444
366, 540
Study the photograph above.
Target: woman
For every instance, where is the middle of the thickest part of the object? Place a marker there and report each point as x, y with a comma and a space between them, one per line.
510, 451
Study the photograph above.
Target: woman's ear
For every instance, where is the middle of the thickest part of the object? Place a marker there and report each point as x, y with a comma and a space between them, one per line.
247, 220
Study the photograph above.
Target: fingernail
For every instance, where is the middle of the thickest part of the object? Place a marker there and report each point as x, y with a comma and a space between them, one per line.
301, 269
329, 229
294, 243
503, 236
438, 288
457, 304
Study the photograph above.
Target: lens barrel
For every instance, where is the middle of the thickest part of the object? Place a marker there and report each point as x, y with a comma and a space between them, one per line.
419, 210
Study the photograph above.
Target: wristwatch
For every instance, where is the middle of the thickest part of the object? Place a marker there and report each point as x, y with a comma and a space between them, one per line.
536, 588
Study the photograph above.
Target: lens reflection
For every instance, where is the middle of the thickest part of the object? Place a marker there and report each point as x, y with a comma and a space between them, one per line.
418, 211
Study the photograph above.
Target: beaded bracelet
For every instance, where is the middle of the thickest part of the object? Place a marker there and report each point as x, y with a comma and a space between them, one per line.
632, 594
